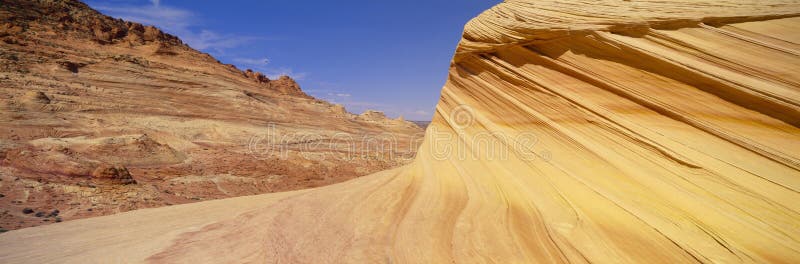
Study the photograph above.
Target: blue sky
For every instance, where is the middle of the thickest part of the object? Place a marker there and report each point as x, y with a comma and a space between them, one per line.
385, 55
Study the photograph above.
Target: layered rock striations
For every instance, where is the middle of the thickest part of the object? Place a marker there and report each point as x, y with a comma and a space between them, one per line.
100, 116
568, 131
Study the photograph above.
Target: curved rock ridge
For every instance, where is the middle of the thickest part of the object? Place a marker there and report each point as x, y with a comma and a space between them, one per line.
524, 21
670, 145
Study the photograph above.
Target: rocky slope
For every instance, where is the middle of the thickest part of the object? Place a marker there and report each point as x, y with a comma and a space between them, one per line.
568, 131
101, 116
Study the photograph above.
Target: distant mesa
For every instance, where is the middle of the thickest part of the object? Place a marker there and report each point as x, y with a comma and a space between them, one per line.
379, 117
422, 124
373, 115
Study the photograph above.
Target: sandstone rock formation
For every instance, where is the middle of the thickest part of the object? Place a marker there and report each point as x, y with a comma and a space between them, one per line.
623, 132
90, 105
116, 174
372, 116
378, 117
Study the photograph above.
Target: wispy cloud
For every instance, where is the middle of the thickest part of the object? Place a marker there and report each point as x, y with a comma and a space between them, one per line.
207, 39
421, 112
354, 105
410, 114
180, 22
251, 62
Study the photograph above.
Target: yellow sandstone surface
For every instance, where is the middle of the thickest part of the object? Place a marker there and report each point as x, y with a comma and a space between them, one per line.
568, 131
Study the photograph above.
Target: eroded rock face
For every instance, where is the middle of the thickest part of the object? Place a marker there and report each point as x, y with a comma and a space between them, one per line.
8, 29
566, 133
115, 174
90, 104
287, 85
373, 115
256, 76
284, 84
339, 109
152, 33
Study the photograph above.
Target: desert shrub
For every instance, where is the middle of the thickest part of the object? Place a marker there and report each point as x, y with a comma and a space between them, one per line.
54, 213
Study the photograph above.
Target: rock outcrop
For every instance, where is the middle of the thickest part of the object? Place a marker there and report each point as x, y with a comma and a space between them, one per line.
256, 76
373, 115
287, 85
339, 109
116, 174
35, 97
567, 132
378, 117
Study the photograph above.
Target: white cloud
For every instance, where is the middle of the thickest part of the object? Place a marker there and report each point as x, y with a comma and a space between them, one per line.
340, 97
207, 39
251, 61
167, 18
